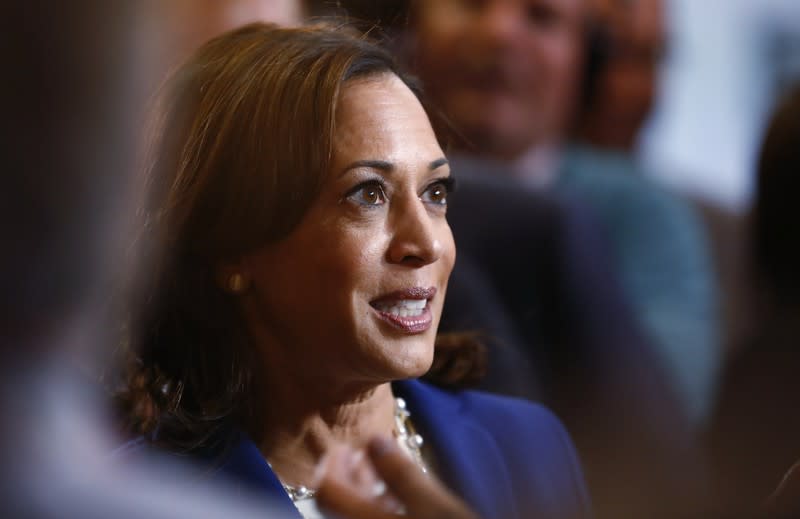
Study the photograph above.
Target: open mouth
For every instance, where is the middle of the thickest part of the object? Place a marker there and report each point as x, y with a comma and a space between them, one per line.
403, 307
406, 310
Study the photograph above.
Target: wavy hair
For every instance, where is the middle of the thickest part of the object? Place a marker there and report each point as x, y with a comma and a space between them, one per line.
239, 146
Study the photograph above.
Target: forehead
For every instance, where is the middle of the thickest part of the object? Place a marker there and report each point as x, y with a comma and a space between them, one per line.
380, 117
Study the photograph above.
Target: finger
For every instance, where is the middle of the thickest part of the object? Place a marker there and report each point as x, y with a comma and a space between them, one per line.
401, 474
338, 496
422, 495
346, 466
339, 501
348, 486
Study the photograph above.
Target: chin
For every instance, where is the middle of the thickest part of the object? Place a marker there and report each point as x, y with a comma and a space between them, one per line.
413, 362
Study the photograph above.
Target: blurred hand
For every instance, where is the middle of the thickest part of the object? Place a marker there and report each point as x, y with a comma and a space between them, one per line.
384, 484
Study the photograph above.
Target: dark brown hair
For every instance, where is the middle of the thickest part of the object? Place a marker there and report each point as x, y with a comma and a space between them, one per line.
776, 227
240, 146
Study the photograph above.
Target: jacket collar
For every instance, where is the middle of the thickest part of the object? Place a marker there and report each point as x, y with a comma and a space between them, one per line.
468, 458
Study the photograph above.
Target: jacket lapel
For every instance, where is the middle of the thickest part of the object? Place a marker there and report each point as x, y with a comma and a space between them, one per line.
468, 458
250, 473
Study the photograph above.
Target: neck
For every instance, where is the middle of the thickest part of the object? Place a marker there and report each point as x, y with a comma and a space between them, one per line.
301, 430
311, 406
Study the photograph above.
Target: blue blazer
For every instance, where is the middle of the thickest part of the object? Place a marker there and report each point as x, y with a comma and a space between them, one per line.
506, 457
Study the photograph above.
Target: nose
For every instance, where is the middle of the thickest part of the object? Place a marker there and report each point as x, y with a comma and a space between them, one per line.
416, 236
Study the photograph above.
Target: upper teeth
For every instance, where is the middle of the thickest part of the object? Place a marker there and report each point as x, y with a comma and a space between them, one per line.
403, 307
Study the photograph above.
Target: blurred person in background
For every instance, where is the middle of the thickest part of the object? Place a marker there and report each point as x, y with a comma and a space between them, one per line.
755, 431
662, 249
301, 255
625, 45
78, 74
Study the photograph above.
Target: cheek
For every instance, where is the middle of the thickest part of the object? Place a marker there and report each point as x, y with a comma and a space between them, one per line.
630, 85
448, 258
561, 60
284, 276
349, 260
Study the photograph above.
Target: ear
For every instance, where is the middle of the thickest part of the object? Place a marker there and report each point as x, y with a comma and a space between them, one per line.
232, 277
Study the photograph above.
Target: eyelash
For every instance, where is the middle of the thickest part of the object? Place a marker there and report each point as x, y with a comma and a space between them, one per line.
448, 183
373, 183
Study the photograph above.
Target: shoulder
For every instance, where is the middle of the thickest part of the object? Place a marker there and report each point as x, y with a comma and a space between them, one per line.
522, 428
503, 415
509, 412
526, 438
617, 182
546, 474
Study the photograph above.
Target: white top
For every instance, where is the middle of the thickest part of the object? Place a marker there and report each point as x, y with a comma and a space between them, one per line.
308, 508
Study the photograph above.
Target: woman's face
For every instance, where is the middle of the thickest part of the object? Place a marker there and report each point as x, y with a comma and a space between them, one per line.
355, 292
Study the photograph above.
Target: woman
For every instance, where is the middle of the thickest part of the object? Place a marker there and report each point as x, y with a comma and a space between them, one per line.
302, 254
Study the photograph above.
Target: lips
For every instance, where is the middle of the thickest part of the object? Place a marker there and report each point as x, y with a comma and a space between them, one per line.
406, 310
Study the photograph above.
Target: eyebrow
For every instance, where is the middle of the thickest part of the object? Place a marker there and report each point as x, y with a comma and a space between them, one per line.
438, 163
388, 167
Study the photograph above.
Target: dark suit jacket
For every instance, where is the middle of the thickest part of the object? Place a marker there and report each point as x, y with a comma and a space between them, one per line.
506, 457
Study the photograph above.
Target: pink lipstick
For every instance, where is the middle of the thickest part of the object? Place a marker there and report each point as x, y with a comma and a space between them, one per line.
406, 310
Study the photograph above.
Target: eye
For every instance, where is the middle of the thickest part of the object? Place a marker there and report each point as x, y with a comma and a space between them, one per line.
437, 192
370, 193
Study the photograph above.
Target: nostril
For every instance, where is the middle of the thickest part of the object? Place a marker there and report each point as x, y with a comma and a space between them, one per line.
415, 261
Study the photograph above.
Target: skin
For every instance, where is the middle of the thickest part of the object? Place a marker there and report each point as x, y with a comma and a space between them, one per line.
346, 481
627, 87
504, 71
328, 355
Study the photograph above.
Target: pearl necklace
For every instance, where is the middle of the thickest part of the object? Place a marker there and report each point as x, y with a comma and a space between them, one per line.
404, 433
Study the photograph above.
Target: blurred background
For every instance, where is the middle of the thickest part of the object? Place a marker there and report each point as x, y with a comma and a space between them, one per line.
633, 266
